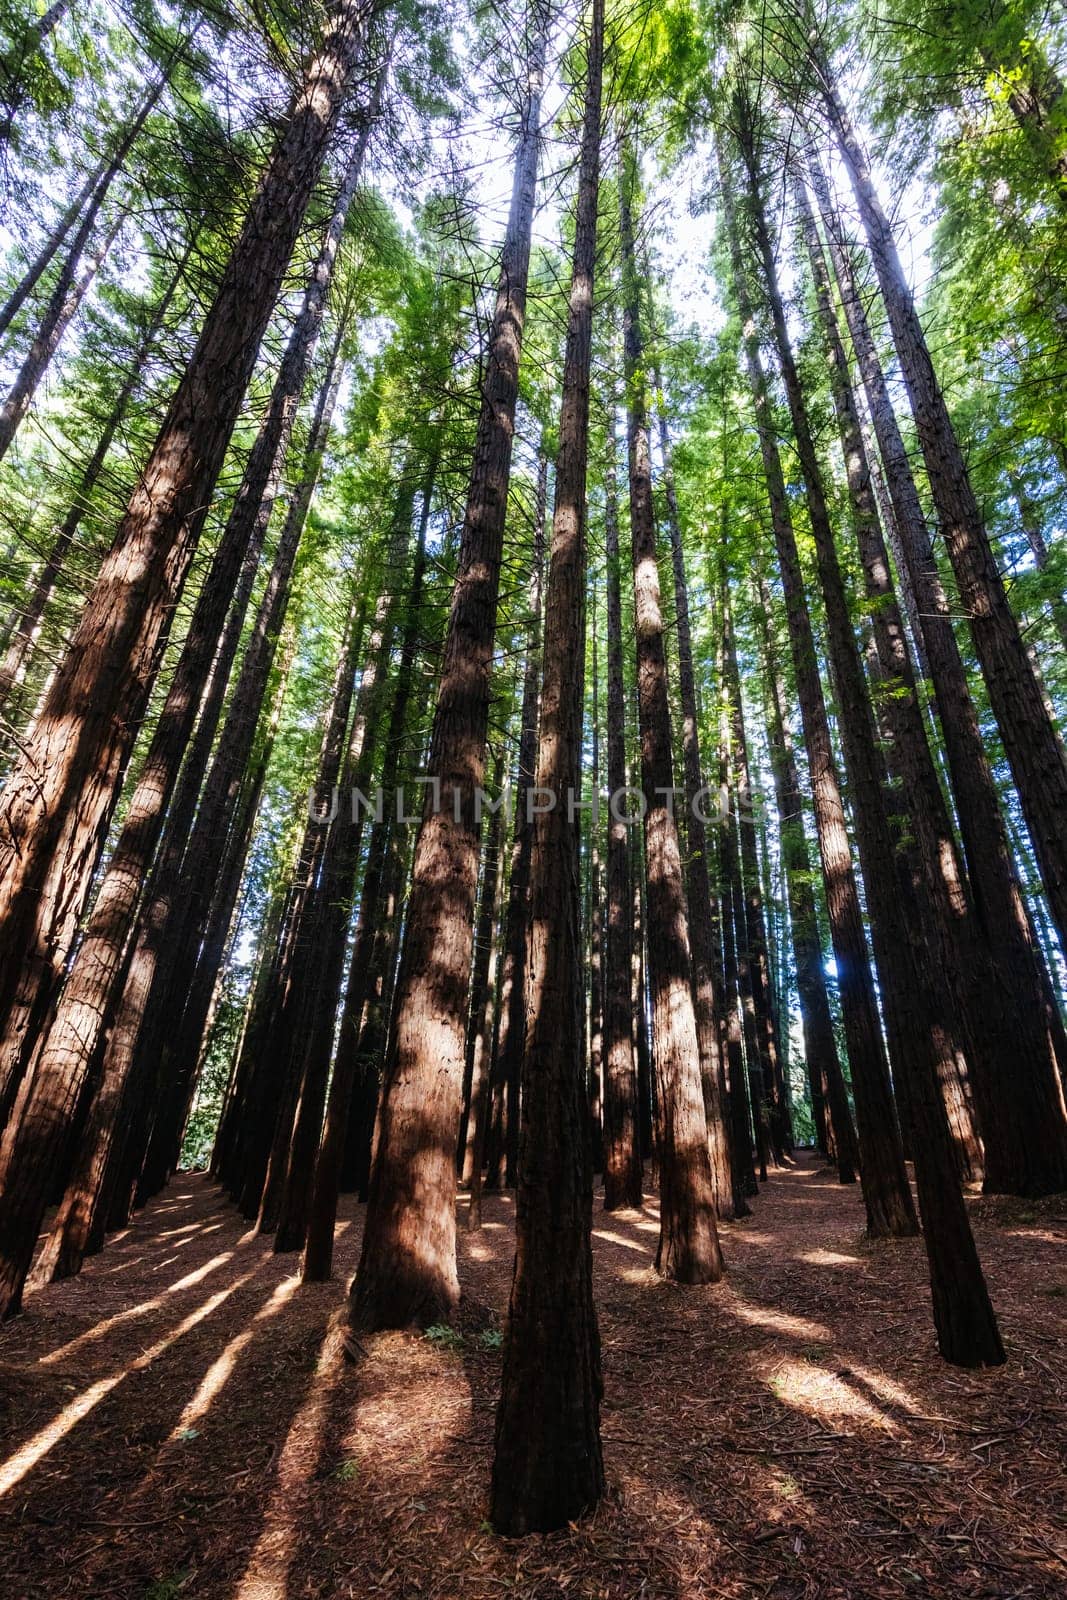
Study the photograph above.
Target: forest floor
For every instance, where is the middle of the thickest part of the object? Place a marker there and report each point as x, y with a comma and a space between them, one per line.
178, 1421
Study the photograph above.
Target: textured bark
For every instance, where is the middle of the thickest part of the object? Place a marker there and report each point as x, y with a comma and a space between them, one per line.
702, 908
688, 1248
502, 1148
407, 1269
887, 1198
60, 796
595, 925
829, 1095
1017, 974
548, 1466
24, 635
920, 1042
622, 1142
1031, 742
145, 1036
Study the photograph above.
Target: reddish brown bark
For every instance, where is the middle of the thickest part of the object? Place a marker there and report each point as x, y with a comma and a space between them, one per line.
407, 1269
689, 1244
60, 796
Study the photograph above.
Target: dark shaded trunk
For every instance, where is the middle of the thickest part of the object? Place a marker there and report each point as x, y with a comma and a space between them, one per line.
886, 1195
1017, 971
830, 1107
622, 1142
919, 1041
548, 1466
49, 250
1031, 742
59, 799
503, 1144
407, 1269
688, 1248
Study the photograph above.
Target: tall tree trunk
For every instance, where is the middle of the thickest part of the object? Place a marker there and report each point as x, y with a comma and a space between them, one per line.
140, 1048
407, 1269
1018, 992
829, 1095
688, 1248
595, 925
703, 910
773, 1097
919, 1041
322, 1215
886, 1195
1031, 742
507, 1054
481, 973
622, 1140
60, 796
548, 1467
932, 859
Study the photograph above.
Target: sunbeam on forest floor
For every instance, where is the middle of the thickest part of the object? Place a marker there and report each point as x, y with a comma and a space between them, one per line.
186, 1427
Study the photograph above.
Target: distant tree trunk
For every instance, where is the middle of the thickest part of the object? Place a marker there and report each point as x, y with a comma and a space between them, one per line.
1016, 980
49, 250
773, 1097
688, 1245
407, 1269
502, 1148
1031, 742
932, 859
918, 1038
548, 1465
622, 1142
144, 1040
886, 1195
21, 641
322, 1215
829, 1095
646, 1095
72, 283
474, 1148
595, 928
481, 972
61, 794
1030, 522
703, 911
34, 37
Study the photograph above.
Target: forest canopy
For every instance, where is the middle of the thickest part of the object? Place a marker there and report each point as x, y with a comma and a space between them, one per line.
533, 655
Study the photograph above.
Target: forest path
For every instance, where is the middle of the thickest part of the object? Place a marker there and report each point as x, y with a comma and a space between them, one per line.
177, 1421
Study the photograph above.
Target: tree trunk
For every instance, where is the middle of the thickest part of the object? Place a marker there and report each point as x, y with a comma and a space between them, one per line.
49, 250
703, 910
60, 796
829, 1095
1033, 746
918, 1038
1018, 992
688, 1248
886, 1195
548, 1466
71, 285
622, 1142
407, 1269
931, 859
507, 1055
